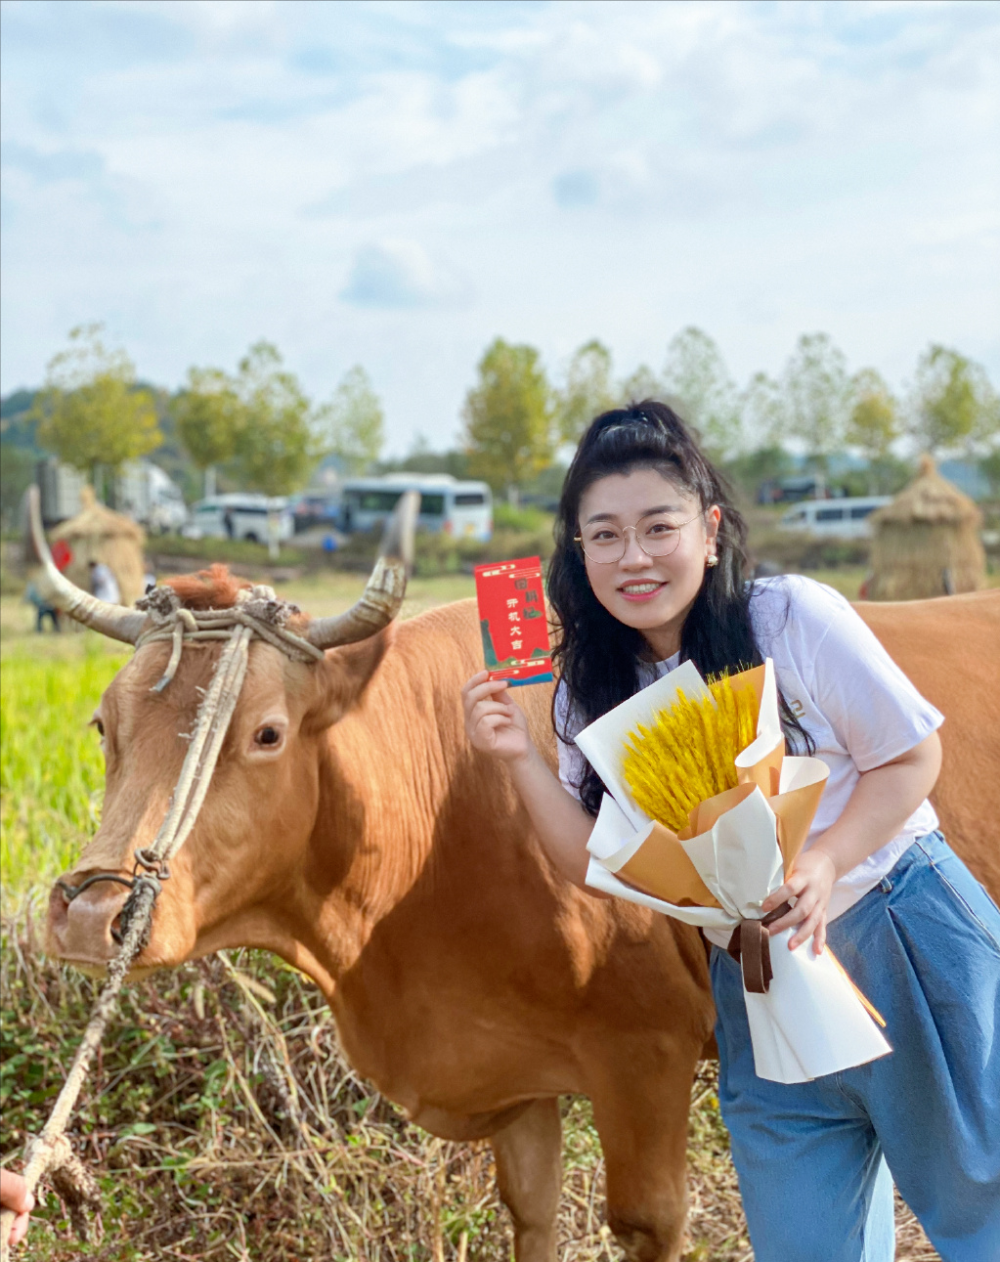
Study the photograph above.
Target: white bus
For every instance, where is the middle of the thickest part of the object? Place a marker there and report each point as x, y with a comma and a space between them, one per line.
463, 510
845, 518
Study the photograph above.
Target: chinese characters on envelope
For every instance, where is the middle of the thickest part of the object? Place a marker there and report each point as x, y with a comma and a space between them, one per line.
512, 620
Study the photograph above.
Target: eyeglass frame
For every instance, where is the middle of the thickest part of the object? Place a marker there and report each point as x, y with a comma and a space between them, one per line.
635, 531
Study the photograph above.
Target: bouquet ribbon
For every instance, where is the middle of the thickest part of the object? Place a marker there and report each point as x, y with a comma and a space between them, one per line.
750, 946
806, 1017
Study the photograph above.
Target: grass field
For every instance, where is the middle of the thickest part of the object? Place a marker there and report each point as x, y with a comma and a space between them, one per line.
222, 1119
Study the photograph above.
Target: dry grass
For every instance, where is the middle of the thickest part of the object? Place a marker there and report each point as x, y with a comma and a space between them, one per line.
223, 1121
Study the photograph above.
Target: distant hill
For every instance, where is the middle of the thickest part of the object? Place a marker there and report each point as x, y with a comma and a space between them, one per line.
15, 428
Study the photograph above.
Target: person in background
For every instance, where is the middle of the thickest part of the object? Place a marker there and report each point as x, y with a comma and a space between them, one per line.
103, 583
14, 1195
43, 609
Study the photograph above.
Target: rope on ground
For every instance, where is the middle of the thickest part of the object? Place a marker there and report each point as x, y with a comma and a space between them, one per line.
259, 615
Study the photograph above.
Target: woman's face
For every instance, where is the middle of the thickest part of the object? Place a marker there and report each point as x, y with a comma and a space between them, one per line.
650, 593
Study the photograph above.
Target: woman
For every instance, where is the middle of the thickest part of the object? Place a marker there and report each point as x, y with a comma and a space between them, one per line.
649, 571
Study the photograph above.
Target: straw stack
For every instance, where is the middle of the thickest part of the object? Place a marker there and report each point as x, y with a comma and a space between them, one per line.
926, 542
98, 534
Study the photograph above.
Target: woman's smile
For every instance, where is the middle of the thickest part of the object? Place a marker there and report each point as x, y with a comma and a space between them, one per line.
636, 591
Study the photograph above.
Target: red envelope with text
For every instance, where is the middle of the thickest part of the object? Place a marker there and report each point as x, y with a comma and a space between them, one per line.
513, 622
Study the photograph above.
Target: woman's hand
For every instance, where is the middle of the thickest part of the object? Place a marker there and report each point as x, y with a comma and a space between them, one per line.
14, 1196
493, 723
810, 883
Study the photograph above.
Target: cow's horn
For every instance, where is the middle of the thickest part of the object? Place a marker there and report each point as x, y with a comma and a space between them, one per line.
117, 621
384, 591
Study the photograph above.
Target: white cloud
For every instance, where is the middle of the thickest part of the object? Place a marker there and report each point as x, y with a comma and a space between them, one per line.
398, 183
400, 274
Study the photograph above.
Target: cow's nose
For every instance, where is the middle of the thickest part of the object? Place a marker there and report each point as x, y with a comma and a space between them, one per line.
82, 929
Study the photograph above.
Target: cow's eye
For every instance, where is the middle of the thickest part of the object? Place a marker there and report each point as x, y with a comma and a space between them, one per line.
268, 736
99, 724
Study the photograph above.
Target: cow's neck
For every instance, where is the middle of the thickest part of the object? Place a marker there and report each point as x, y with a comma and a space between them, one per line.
384, 791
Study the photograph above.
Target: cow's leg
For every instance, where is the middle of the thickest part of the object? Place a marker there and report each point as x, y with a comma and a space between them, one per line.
529, 1172
641, 1115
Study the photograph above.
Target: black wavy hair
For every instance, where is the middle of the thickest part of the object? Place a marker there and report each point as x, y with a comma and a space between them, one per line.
596, 655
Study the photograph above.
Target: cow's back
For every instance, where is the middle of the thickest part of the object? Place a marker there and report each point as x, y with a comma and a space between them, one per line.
950, 649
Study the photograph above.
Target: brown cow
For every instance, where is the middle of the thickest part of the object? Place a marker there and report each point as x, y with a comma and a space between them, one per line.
375, 851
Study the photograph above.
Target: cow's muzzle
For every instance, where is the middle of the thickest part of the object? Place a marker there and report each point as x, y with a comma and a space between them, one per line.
85, 918
88, 913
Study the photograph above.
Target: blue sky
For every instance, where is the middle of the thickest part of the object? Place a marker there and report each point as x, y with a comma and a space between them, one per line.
396, 183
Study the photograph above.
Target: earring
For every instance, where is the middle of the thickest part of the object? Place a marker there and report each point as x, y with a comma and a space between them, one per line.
711, 560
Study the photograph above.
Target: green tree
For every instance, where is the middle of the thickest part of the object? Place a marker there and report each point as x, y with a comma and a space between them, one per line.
278, 443
357, 422
695, 375
762, 412
89, 412
989, 466
208, 417
816, 396
17, 472
954, 403
508, 418
873, 424
588, 391
752, 468
422, 458
641, 384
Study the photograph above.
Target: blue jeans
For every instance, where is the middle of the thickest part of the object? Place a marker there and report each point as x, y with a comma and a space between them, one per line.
814, 1158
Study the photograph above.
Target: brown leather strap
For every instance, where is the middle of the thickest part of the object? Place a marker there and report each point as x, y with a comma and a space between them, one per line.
751, 946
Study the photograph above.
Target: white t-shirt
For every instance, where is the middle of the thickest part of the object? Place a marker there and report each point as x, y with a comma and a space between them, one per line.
848, 694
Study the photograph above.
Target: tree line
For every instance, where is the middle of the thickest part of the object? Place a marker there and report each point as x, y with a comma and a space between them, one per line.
257, 425
515, 421
255, 428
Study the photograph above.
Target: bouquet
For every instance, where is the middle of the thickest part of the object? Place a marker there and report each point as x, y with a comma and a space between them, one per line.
704, 816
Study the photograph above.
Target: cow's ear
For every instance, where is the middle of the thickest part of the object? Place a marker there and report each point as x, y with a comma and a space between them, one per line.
344, 676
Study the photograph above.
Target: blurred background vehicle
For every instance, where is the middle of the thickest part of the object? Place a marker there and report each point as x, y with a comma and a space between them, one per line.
141, 490
463, 510
845, 518
310, 511
255, 518
149, 496
792, 490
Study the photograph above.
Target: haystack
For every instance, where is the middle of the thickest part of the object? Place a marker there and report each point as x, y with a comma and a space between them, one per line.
98, 534
926, 542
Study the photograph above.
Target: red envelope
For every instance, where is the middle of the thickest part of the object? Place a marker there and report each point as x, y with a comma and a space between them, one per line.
513, 621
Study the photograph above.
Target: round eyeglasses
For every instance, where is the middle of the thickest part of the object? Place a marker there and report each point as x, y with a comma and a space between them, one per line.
658, 536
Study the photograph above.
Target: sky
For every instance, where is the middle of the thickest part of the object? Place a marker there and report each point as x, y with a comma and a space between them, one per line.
395, 183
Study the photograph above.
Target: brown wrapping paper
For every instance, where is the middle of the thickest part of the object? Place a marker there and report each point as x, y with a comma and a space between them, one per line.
661, 867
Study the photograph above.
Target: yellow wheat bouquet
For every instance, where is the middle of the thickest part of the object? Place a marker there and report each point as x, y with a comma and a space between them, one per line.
688, 755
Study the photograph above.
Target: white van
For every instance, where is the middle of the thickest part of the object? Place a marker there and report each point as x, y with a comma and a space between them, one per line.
844, 518
240, 516
463, 510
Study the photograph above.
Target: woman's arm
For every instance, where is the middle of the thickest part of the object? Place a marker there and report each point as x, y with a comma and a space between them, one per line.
883, 800
497, 727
